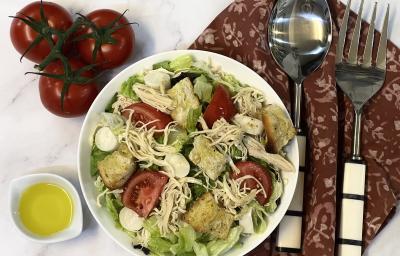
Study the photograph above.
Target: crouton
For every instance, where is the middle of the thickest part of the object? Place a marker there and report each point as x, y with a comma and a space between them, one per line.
278, 127
206, 216
207, 158
116, 168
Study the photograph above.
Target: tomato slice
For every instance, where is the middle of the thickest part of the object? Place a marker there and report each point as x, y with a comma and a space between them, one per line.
145, 113
260, 173
221, 105
143, 190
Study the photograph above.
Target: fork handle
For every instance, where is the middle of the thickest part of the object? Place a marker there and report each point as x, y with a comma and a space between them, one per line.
352, 211
289, 232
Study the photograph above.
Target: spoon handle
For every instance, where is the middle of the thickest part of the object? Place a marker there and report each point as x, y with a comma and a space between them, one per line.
289, 232
352, 211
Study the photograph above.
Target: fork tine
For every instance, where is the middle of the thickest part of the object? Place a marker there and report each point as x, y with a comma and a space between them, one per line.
342, 34
381, 55
353, 52
370, 41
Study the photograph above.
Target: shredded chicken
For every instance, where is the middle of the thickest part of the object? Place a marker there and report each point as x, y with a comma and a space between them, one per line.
121, 103
249, 101
142, 144
232, 194
154, 98
256, 149
174, 197
223, 136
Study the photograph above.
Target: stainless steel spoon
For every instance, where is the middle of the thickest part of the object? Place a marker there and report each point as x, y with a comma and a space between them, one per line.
299, 37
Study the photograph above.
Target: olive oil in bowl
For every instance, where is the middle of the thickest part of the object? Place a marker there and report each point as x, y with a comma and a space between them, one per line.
45, 209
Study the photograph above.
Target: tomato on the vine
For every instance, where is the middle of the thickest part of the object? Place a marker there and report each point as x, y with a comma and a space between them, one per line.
22, 35
110, 42
77, 98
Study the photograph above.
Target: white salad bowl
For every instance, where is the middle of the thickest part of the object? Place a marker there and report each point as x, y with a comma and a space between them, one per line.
228, 65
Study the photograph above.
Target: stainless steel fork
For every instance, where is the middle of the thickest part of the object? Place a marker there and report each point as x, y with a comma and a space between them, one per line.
359, 80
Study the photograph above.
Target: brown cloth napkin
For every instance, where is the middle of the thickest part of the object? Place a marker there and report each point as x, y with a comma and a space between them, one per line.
240, 32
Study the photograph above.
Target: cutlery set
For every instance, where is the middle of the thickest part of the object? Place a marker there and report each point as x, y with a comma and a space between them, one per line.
300, 34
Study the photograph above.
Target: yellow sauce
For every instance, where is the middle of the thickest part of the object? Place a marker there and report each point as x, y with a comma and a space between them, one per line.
45, 209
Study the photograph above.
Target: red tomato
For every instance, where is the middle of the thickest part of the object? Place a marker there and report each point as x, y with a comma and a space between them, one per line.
109, 55
143, 190
145, 113
260, 173
22, 35
78, 98
221, 105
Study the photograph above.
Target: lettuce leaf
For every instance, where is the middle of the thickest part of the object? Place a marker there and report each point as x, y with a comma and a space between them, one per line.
109, 108
186, 239
127, 86
203, 89
192, 119
181, 62
163, 64
159, 245
218, 247
200, 249
277, 191
231, 82
114, 206
259, 217
96, 156
178, 138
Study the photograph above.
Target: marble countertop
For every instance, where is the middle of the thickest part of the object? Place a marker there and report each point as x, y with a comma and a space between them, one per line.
32, 138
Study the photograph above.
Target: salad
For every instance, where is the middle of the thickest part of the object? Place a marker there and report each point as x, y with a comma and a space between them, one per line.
188, 160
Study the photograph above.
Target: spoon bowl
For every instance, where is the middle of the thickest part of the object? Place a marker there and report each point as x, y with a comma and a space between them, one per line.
299, 36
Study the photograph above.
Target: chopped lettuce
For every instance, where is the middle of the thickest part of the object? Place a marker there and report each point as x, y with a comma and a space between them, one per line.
200, 249
114, 206
184, 99
96, 156
235, 153
109, 108
178, 138
219, 77
259, 217
277, 190
218, 247
181, 62
163, 64
181, 243
192, 118
127, 86
197, 191
158, 79
111, 120
230, 81
203, 89
159, 245
186, 238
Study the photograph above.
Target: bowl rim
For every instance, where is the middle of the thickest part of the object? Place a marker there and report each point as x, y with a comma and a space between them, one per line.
76, 225
138, 63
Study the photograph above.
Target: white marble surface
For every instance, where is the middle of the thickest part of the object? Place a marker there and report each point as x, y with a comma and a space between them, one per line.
30, 137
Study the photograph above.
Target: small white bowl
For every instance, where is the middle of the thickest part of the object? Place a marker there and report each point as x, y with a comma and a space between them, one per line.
18, 186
